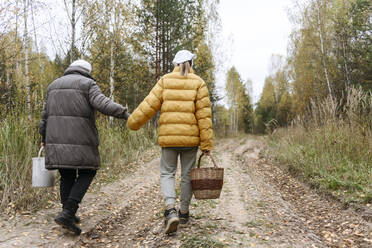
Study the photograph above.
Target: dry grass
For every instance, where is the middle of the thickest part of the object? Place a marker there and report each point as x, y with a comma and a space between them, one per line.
19, 142
331, 146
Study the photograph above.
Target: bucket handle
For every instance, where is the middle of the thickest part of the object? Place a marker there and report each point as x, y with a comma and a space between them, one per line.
41, 149
214, 162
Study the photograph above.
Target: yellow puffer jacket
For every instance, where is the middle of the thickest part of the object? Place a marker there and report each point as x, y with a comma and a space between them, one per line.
185, 111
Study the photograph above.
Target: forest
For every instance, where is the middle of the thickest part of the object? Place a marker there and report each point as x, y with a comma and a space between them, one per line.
315, 104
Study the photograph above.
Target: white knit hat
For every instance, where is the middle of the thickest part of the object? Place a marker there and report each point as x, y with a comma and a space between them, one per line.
183, 56
83, 64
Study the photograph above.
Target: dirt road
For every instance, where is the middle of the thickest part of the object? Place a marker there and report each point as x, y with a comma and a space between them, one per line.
261, 205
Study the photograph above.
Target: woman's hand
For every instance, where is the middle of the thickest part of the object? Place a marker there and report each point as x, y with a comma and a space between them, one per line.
206, 152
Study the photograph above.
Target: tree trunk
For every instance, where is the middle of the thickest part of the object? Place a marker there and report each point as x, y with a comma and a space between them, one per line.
39, 59
112, 61
83, 38
163, 38
27, 79
15, 38
35, 36
346, 67
157, 52
236, 121
73, 31
231, 120
323, 53
14, 65
163, 41
112, 64
157, 43
168, 46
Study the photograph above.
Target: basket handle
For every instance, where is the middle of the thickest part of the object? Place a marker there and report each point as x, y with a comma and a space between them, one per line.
214, 162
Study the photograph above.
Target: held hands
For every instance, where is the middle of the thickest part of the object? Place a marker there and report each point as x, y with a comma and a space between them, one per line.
126, 116
206, 152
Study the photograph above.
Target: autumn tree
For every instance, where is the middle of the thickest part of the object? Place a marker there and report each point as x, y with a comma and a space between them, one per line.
163, 28
330, 51
221, 120
266, 107
204, 67
275, 105
130, 44
239, 102
247, 111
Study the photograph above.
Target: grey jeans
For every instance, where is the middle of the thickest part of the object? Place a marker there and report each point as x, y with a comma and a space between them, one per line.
168, 167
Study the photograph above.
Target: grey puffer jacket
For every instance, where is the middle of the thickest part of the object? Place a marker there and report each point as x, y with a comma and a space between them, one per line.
68, 120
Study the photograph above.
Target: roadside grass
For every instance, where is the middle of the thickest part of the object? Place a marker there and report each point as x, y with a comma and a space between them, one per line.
331, 147
20, 141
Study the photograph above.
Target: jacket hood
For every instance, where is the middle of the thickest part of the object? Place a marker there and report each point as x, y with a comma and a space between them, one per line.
82, 63
77, 70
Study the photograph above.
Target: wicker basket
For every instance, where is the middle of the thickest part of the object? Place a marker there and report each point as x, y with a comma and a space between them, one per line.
207, 183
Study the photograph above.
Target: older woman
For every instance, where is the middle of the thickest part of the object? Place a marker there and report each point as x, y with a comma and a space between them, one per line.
69, 133
184, 125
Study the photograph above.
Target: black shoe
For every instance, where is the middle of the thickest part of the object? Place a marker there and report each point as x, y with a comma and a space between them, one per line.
171, 221
66, 220
184, 218
77, 219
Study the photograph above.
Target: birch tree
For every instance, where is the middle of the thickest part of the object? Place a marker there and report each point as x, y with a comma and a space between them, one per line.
323, 54
72, 18
40, 95
235, 92
112, 24
25, 47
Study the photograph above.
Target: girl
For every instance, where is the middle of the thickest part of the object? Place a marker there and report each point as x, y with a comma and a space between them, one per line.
184, 125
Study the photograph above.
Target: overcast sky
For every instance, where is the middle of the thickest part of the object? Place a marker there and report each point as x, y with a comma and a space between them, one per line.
253, 31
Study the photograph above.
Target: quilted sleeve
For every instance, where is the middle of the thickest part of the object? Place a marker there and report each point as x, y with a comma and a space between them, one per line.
203, 115
147, 108
104, 104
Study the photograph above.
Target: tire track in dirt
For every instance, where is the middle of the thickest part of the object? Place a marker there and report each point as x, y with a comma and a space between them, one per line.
316, 214
41, 231
129, 226
251, 213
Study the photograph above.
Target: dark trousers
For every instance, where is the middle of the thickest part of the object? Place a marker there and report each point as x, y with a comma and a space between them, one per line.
75, 183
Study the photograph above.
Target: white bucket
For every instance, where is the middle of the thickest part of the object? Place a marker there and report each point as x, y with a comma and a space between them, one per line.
42, 177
